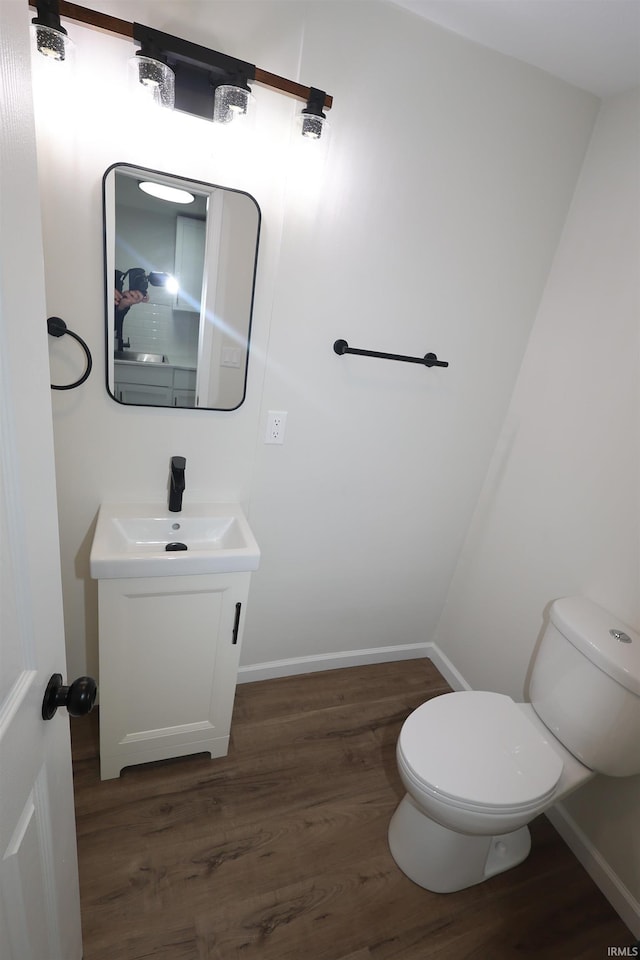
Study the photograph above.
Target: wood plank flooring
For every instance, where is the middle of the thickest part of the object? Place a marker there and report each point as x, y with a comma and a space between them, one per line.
278, 851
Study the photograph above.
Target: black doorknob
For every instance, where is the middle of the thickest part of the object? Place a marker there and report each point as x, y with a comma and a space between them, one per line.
78, 698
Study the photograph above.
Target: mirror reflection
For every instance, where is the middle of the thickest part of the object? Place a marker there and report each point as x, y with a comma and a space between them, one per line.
180, 261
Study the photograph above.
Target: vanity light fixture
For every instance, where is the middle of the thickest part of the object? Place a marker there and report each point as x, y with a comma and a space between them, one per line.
178, 73
313, 122
51, 37
149, 70
164, 192
208, 84
231, 101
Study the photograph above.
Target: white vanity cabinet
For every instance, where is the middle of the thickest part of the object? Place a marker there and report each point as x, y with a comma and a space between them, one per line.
169, 651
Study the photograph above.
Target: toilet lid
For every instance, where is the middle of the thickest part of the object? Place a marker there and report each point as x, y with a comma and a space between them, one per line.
479, 748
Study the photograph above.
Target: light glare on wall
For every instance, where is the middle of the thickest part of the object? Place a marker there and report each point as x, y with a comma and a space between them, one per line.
312, 121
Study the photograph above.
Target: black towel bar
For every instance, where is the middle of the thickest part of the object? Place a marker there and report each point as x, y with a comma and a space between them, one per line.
429, 360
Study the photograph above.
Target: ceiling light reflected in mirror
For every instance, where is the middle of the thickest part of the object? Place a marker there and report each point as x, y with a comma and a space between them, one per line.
164, 192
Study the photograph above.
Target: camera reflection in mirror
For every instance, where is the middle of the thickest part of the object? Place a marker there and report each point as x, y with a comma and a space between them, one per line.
137, 292
184, 273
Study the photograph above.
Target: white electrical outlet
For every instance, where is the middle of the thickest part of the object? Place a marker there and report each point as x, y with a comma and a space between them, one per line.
276, 422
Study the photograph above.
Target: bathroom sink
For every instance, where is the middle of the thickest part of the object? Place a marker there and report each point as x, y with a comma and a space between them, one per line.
131, 540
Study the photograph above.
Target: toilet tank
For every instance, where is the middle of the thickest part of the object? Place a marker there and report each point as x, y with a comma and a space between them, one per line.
585, 686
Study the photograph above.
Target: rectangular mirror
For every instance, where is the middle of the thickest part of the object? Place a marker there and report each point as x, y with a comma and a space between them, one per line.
180, 265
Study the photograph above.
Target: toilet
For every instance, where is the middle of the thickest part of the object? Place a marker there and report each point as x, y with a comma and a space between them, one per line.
478, 767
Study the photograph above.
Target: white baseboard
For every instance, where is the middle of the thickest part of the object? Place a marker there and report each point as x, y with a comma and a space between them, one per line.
609, 883
331, 661
453, 677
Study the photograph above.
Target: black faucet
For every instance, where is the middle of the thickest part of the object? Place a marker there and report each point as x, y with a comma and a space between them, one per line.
176, 483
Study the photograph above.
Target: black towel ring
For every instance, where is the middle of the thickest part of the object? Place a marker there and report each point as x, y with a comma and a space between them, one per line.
57, 328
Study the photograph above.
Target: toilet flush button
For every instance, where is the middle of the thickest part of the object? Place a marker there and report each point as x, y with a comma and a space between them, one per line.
621, 636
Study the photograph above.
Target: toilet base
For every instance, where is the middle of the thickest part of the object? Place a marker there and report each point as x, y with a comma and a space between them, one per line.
444, 861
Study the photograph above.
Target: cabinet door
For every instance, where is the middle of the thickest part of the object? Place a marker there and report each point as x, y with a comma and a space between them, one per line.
184, 379
169, 651
184, 387
184, 398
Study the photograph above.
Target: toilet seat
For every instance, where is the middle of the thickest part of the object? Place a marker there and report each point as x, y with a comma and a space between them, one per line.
477, 751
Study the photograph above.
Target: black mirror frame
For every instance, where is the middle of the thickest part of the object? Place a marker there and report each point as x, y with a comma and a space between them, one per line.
108, 288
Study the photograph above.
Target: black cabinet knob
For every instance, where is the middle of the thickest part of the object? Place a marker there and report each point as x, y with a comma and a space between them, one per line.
78, 698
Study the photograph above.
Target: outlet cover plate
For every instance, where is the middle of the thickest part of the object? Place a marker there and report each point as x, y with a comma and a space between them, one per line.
276, 423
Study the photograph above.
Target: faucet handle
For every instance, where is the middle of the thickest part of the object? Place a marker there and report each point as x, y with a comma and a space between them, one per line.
176, 483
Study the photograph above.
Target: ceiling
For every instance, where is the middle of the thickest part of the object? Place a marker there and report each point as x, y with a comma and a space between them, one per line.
592, 44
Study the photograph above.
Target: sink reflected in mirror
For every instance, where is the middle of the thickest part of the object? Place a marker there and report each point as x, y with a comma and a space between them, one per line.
139, 540
132, 357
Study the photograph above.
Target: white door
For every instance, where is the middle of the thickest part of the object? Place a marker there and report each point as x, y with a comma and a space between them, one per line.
39, 899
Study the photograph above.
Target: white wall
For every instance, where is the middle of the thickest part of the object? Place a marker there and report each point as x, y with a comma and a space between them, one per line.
431, 227
558, 514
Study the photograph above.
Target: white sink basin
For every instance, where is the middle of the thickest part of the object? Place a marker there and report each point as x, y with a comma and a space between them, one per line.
131, 539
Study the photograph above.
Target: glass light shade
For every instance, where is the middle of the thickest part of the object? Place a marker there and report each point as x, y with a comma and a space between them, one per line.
153, 79
313, 127
53, 44
231, 102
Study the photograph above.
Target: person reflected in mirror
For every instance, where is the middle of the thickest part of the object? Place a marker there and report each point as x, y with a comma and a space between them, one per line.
123, 301
128, 298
